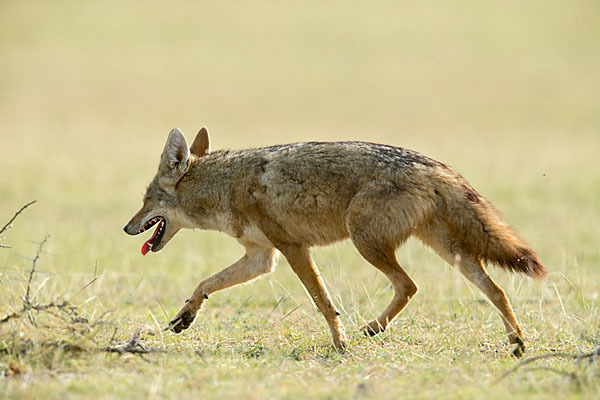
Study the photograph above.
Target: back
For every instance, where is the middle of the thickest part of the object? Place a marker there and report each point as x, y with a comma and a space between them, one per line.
307, 187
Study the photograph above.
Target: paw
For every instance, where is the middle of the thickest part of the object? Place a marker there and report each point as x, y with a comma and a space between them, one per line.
340, 343
372, 328
182, 320
517, 349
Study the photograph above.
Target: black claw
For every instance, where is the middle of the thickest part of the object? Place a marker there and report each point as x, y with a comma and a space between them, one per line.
517, 349
174, 325
517, 352
342, 347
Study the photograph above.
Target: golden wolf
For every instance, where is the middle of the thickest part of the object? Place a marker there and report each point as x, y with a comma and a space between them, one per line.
288, 198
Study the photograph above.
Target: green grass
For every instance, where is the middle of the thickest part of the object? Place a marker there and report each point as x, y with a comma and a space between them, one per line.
506, 93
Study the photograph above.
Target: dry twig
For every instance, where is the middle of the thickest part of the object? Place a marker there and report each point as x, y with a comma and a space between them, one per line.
132, 346
26, 299
591, 356
28, 303
8, 224
67, 312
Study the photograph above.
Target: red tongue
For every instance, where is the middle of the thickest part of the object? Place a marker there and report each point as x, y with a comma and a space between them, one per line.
148, 245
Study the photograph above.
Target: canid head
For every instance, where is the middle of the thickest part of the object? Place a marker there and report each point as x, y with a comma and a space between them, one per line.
162, 203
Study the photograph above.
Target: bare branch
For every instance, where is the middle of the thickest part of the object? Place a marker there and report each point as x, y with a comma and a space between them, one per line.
33, 265
36, 307
133, 346
593, 356
8, 224
27, 304
557, 371
16, 314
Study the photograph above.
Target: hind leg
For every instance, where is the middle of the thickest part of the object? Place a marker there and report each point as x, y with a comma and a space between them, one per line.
377, 234
379, 219
384, 259
380, 253
474, 270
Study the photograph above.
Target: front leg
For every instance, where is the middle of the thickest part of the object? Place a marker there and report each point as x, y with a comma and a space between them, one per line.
303, 265
257, 261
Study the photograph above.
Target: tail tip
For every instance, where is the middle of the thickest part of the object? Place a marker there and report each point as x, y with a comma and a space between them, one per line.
531, 265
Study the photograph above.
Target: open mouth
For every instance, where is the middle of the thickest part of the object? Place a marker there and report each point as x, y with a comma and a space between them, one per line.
156, 236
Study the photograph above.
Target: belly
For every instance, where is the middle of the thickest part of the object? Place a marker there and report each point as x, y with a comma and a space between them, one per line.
309, 218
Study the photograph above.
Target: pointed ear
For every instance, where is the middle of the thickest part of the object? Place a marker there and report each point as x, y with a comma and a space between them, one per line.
175, 157
201, 145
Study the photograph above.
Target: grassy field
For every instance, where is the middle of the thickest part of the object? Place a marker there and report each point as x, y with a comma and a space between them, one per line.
505, 92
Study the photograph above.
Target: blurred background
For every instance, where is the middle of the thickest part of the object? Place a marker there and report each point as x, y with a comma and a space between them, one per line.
506, 92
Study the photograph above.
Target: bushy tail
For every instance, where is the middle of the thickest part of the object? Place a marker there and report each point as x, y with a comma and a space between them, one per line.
481, 232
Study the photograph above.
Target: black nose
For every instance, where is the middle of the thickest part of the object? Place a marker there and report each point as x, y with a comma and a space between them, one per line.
125, 229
